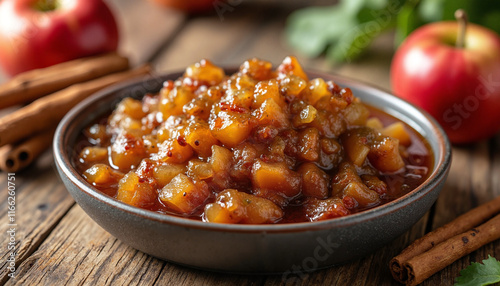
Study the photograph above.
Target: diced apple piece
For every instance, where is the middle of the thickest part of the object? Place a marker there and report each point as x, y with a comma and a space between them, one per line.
292, 86
233, 206
221, 162
100, 174
346, 174
238, 99
221, 159
146, 169
184, 196
173, 127
347, 183
362, 194
314, 181
94, 154
200, 138
309, 144
374, 123
198, 107
328, 124
305, 116
127, 151
243, 158
356, 146
397, 130
315, 90
175, 151
97, 132
205, 72
150, 143
356, 114
199, 170
334, 104
317, 209
330, 146
385, 155
277, 177
132, 191
173, 102
374, 184
131, 107
257, 69
265, 90
229, 128
164, 173
245, 82
270, 113
132, 126
291, 66
216, 213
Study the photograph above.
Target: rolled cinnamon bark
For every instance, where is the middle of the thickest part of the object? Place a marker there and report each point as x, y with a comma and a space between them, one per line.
424, 265
34, 84
16, 157
47, 111
459, 225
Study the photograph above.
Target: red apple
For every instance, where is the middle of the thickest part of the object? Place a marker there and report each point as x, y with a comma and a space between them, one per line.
458, 85
40, 33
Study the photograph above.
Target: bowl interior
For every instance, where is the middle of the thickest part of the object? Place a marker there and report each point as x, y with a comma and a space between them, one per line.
103, 102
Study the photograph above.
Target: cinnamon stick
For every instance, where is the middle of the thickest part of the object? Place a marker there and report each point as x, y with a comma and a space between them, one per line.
47, 111
16, 157
34, 84
424, 265
461, 224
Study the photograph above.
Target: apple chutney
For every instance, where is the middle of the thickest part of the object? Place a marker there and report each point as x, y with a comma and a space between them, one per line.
259, 146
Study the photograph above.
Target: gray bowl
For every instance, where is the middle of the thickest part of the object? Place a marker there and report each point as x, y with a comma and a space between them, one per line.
286, 248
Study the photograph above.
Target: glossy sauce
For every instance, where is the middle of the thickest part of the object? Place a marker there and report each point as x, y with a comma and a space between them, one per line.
280, 160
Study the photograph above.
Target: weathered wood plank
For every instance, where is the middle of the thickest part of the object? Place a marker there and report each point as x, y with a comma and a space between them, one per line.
144, 27
208, 37
471, 182
79, 252
178, 275
41, 198
41, 201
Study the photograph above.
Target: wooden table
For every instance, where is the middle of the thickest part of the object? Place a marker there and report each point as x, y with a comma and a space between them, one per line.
59, 244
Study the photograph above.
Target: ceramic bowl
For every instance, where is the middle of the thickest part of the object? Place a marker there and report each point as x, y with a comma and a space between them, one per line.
285, 248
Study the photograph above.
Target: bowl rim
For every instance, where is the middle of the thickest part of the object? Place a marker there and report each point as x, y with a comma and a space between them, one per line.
63, 162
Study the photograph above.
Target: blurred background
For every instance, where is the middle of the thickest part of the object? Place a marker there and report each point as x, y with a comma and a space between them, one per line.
229, 33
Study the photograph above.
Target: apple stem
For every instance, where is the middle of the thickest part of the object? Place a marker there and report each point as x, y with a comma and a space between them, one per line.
461, 17
47, 5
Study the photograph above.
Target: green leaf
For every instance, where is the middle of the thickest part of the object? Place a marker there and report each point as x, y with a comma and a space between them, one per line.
352, 44
353, 6
431, 10
490, 20
407, 21
478, 274
372, 23
346, 29
311, 30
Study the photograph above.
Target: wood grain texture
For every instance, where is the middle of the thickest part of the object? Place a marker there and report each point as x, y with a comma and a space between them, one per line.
79, 252
64, 246
144, 28
211, 38
473, 180
41, 201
